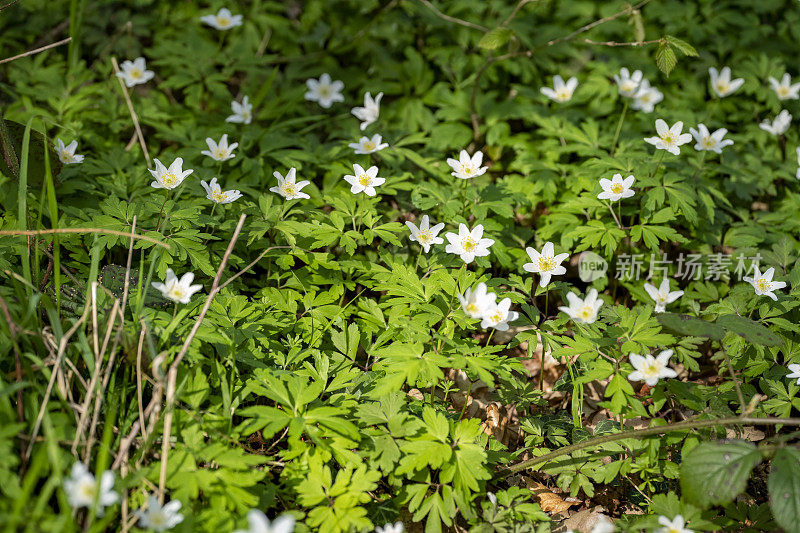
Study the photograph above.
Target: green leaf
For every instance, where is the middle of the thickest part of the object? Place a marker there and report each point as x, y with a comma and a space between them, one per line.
691, 326
685, 48
715, 473
494, 39
751, 331
665, 58
784, 489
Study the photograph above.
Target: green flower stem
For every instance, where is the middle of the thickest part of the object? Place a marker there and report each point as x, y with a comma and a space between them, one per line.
619, 126
641, 433
700, 165
658, 163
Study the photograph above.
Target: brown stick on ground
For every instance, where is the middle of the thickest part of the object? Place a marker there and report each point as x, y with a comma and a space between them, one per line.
172, 376
36, 50
132, 112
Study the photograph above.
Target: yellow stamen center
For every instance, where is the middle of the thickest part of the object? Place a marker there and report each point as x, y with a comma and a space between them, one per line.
177, 292
782, 91
369, 145
668, 138
88, 490
586, 312
723, 87
562, 95
708, 142
219, 196
627, 86
136, 73
169, 180
497, 317
223, 21
289, 189
651, 369
762, 285
423, 236
616, 188
469, 244
546, 264
364, 180
219, 153
472, 308
466, 169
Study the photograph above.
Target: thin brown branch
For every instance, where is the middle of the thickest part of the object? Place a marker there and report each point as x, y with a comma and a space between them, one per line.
614, 43
627, 10
173, 369
36, 50
83, 230
251, 265
132, 112
455, 20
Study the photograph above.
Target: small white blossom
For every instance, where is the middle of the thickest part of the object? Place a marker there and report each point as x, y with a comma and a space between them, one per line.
425, 235
158, 517
721, 82
223, 20
710, 141
169, 178
763, 283
369, 113
650, 369
616, 188
546, 264
242, 113
779, 124
583, 311
366, 145
221, 151
785, 89
628, 84
646, 97
397, 527
795, 373
215, 193
662, 296
561, 92
499, 316
364, 180
676, 525
478, 302
135, 72
603, 525
669, 138
82, 489
259, 523
492, 498
324, 91
66, 154
798, 163
468, 244
467, 167
179, 291
289, 187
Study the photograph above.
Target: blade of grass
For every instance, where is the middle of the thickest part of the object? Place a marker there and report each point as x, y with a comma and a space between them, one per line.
52, 204
22, 202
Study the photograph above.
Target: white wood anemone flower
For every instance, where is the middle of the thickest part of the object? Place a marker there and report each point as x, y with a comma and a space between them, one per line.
289, 187
646, 97
367, 145
662, 295
628, 84
562, 91
66, 154
397, 527
721, 82
468, 243
364, 180
583, 311
676, 525
499, 316
177, 290
616, 188
714, 142
669, 138
763, 284
795, 372
135, 72
259, 523
242, 113
324, 91
466, 167
158, 517
785, 89
797, 175
81, 488
546, 263
369, 113
169, 178
478, 302
425, 235
220, 151
778, 125
223, 20
215, 193
651, 369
